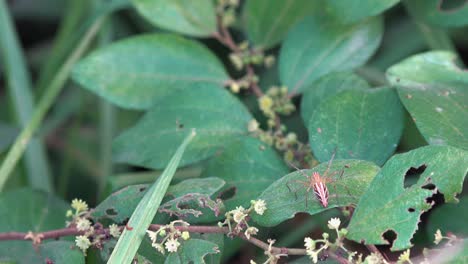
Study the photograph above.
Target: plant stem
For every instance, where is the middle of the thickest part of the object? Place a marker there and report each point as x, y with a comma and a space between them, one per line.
19, 84
44, 105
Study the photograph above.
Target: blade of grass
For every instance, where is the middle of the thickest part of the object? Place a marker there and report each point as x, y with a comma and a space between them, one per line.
130, 240
45, 103
20, 88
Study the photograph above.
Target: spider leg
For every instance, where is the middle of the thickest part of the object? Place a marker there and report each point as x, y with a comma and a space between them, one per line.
300, 171
330, 162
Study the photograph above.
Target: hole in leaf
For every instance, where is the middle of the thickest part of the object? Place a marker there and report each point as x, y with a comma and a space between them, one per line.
228, 193
142, 189
451, 5
390, 236
429, 186
111, 211
412, 175
411, 210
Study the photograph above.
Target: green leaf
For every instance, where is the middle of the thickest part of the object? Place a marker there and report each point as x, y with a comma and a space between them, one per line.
319, 45
390, 207
355, 10
216, 114
193, 18
25, 210
130, 240
247, 165
192, 251
267, 22
7, 135
344, 190
433, 90
325, 87
357, 124
137, 72
119, 206
432, 12
449, 218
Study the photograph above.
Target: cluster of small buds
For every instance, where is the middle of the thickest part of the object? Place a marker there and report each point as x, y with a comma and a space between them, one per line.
246, 56
170, 237
311, 245
226, 9
237, 86
237, 219
276, 100
404, 257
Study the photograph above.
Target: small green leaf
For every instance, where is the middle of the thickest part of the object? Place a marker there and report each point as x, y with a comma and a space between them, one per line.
138, 71
319, 45
120, 205
192, 251
344, 190
432, 12
355, 10
390, 207
433, 90
325, 87
130, 240
267, 21
357, 124
27, 210
156, 136
247, 165
193, 18
7, 135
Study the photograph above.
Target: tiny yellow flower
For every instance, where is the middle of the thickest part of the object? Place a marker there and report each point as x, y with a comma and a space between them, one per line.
235, 87
83, 243
114, 230
152, 235
172, 245
313, 255
404, 257
265, 103
239, 214
253, 125
260, 207
334, 223
69, 213
185, 235
250, 231
79, 205
83, 224
309, 243
162, 232
159, 248
438, 237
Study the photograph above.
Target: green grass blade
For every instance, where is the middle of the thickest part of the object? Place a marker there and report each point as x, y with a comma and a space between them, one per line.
19, 85
130, 241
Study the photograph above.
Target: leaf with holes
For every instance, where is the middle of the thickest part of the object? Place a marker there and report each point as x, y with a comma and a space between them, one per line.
433, 90
137, 72
119, 206
287, 197
194, 18
388, 207
359, 124
151, 142
26, 210
319, 45
440, 13
266, 30
325, 87
192, 251
355, 10
247, 165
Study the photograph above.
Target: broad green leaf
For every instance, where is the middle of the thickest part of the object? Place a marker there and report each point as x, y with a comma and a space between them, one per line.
249, 166
325, 87
433, 13
319, 45
355, 10
216, 114
120, 205
192, 251
266, 22
344, 190
27, 210
433, 90
390, 207
449, 218
357, 124
130, 240
193, 18
7, 135
138, 71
